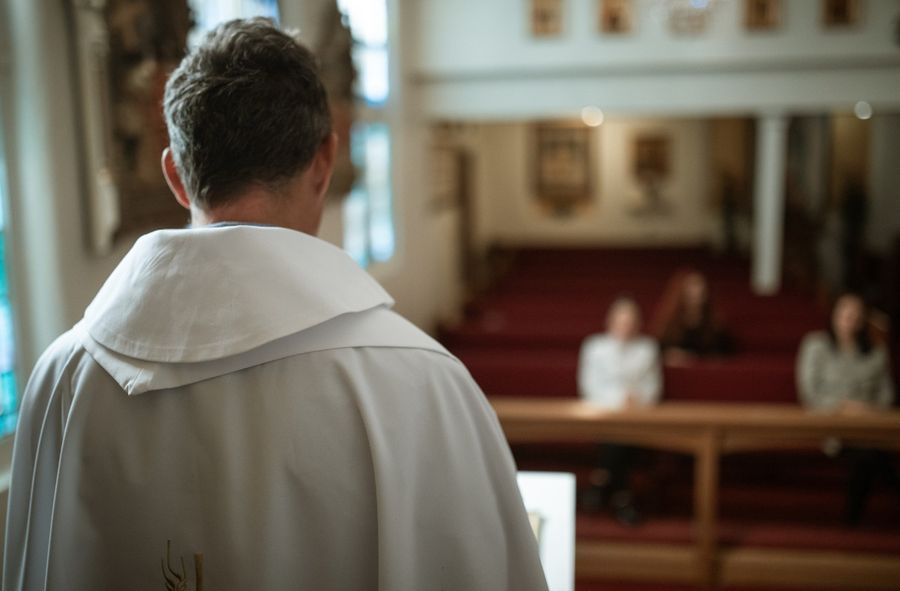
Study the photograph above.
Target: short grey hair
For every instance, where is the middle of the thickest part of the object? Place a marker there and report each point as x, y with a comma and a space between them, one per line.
244, 107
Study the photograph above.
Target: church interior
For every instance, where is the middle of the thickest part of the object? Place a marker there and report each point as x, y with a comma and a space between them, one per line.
509, 171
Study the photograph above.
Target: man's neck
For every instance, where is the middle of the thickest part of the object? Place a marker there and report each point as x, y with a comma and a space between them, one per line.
258, 208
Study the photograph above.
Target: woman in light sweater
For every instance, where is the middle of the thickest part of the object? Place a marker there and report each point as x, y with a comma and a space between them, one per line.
619, 369
841, 370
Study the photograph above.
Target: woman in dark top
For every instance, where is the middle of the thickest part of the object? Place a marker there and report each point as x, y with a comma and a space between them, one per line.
687, 324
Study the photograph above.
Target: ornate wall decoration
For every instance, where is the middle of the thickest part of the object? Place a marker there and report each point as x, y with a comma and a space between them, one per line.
564, 162
335, 53
125, 52
689, 17
651, 166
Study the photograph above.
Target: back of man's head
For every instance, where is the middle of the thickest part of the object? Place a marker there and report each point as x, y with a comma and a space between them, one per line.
246, 107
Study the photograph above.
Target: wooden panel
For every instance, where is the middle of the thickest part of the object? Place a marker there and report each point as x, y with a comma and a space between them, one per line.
706, 504
738, 567
809, 570
648, 562
675, 439
566, 419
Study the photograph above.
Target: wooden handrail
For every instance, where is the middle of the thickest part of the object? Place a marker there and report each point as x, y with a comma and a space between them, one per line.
705, 430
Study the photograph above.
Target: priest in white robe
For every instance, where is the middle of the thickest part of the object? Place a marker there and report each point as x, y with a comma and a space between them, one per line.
240, 393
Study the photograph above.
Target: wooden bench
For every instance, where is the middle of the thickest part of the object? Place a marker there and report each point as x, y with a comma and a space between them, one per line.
708, 431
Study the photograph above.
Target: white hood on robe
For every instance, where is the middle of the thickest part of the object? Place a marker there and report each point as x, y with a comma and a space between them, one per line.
184, 305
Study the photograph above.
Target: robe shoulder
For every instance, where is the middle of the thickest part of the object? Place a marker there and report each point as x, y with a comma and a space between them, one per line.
51, 371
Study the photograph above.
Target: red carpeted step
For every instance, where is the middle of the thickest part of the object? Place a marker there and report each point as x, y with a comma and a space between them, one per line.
732, 380
525, 373
618, 585
522, 371
660, 530
780, 534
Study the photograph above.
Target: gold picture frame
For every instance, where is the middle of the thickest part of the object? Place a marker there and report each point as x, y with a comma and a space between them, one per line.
837, 14
652, 166
762, 15
652, 155
616, 17
546, 18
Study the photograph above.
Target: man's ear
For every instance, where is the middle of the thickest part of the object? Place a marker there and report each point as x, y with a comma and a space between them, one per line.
173, 179
324, 163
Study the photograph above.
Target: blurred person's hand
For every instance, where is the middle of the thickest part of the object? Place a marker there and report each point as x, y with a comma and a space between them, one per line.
855, 407
632, 400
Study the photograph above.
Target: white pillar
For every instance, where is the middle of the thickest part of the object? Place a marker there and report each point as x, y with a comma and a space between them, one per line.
768, 202
883, 224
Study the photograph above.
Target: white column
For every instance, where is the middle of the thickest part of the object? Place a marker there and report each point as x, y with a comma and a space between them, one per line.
883, 224
768, 202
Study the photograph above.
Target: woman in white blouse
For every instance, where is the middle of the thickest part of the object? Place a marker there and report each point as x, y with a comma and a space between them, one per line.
619, 369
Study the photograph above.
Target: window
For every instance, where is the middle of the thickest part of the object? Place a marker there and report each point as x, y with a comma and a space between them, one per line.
368, 211
9, 399
209, 13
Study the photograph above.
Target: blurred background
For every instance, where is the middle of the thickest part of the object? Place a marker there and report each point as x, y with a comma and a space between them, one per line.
509, 169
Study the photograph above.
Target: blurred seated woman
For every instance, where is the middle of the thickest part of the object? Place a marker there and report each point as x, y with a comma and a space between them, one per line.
841, 370
687, 324
617, 370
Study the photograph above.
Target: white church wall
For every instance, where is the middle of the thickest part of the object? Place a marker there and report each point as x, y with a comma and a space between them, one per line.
478, 60
422, 276
514, 215
468, 36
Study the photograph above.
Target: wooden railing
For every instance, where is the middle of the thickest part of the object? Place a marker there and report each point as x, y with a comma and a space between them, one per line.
706, 431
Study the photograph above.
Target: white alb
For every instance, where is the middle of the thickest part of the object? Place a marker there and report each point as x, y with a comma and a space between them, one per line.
246, 393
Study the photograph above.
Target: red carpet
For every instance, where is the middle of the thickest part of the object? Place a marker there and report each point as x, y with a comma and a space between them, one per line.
523, 338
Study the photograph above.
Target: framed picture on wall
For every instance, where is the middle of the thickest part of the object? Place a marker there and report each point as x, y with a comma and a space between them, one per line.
616, 17
563, 166
546, 18
651, 156
762, 15
125, 52
651, 166
840, 13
